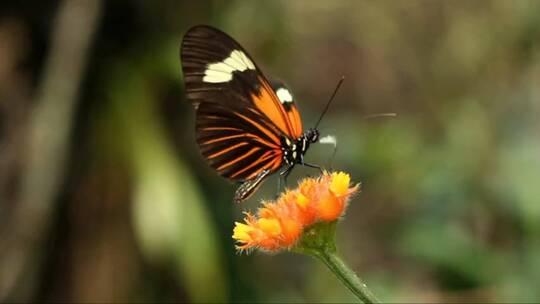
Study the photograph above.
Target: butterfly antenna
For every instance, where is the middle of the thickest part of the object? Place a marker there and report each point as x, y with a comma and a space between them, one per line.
380, 115
330, 101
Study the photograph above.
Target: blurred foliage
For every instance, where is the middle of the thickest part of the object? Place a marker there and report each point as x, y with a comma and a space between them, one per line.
450, 208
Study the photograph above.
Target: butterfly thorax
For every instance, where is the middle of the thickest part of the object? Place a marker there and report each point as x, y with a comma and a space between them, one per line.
294, 150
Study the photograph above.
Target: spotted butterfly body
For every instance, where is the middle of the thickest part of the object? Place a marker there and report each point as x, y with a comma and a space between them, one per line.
247, 128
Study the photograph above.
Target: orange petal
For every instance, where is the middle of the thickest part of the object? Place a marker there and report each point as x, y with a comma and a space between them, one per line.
330, 207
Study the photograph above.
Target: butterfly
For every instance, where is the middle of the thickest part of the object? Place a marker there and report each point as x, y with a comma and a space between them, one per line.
247, 127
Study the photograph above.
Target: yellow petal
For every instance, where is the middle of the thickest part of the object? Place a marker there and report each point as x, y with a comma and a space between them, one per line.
241, 232
270, 226
340, 183
302, 200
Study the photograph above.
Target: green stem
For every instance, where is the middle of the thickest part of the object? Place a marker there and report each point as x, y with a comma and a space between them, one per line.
319, 241
345, 274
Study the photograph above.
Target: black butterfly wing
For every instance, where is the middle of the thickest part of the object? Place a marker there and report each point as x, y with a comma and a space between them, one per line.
215, 66
240, 121
217, 69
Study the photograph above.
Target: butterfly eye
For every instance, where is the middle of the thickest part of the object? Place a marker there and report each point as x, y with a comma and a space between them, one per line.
313, 136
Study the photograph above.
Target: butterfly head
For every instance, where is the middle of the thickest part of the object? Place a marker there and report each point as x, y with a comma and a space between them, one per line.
309, 137
312, 135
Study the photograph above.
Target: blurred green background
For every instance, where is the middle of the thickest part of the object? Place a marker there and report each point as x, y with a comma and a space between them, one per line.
104, 196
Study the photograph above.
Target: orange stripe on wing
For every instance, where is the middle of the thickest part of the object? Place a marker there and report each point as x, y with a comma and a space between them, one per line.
264, 157
269, 104
224, 138
248, 135
272, 136
220, 129
272, 166
227, 150
277, 164
295, 120
238, 159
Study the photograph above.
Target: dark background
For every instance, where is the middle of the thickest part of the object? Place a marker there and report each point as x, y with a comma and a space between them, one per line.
104, 196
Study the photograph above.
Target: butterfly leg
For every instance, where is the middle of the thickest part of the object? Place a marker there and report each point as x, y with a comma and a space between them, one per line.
313, 166
283, 175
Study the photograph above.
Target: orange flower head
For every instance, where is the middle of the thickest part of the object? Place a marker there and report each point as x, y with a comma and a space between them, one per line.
278, 225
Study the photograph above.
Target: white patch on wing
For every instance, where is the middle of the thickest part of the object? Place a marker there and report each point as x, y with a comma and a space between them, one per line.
216, 76
328, 139
240, 57
284, 95
222, 71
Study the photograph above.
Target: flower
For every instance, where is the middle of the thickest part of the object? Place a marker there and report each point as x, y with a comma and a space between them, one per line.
280, 224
